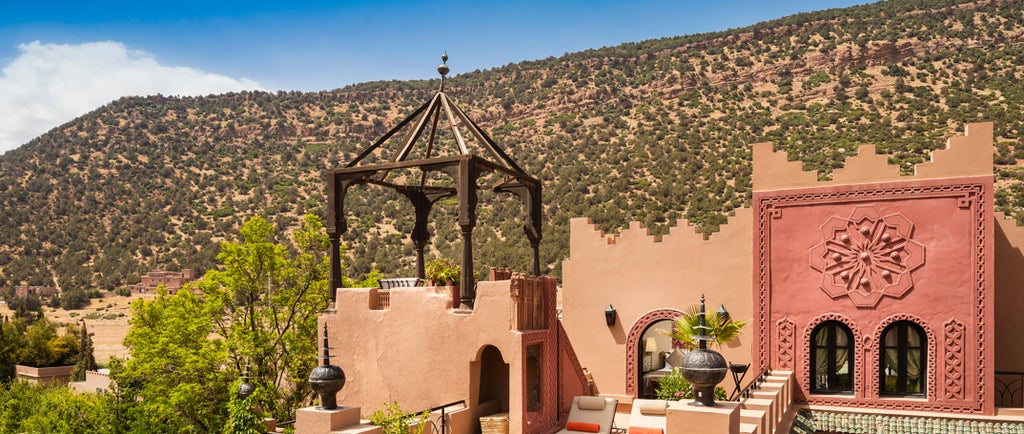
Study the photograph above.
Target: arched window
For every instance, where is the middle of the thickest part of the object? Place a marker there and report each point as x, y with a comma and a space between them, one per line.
903, 359
832, 358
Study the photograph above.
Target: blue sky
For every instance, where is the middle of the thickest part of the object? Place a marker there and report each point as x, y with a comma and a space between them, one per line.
48, 49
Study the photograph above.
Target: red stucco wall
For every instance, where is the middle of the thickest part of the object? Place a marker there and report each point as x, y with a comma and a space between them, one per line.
947, 290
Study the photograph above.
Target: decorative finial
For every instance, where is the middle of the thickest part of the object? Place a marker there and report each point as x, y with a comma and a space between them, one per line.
327, 379
443, 69
245, 389
702, 344
327, 349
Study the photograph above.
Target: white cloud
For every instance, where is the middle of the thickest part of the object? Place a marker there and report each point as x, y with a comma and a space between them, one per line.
50, 84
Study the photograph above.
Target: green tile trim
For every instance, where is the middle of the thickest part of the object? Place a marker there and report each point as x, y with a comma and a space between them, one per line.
810, 421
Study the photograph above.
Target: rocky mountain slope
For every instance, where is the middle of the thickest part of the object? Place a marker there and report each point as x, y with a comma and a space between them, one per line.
652, 131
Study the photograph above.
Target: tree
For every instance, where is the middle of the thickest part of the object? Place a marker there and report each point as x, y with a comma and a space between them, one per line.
86, 359
242, 419
43, 347
174, 380
11, 340
33, 408
268, 298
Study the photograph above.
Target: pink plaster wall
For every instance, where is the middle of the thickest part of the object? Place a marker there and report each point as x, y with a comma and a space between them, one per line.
946, 290
948, 200
645, 279
422, 353
419, 352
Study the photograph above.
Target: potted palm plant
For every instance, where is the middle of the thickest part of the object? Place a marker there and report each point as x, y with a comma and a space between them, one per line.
704, 368
719, 327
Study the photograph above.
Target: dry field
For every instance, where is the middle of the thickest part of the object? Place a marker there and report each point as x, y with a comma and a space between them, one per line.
106, 318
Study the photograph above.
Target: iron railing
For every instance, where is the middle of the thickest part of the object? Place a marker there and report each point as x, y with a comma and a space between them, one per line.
1009, 389
738, 395
445, 429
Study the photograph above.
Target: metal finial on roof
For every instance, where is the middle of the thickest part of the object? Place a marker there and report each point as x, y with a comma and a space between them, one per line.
443, 69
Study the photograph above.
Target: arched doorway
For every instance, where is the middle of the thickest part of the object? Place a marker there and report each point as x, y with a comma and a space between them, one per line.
653, 348
493, 379
636, 357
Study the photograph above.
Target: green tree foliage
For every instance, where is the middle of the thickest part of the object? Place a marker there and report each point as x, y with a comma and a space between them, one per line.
175, 371
31, 408
11, 340
86, 361
42, 346
393, 420
242, 418
74, 299
268, 297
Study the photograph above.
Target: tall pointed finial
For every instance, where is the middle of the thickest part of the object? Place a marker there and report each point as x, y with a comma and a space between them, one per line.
327, 379
327, 350
443, 69
703, 326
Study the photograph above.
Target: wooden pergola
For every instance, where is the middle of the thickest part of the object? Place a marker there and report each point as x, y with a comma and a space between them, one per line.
465, 169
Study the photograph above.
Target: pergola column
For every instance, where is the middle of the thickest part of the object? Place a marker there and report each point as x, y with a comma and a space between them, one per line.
467, 187
337, 186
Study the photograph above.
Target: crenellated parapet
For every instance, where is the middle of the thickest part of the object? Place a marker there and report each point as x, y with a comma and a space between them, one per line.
586, 232
966, 155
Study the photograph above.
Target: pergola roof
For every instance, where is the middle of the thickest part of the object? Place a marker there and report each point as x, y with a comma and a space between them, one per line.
438, 116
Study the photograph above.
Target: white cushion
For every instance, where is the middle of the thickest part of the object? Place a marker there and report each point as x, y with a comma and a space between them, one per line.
652, 406
591, 403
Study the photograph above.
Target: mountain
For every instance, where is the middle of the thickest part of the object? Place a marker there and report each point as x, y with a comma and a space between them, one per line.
652, 131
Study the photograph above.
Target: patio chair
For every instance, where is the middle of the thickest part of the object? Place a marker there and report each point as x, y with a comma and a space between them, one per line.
591, 414
648, 416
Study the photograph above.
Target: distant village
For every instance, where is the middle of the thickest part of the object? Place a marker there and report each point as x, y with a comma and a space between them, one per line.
172, 280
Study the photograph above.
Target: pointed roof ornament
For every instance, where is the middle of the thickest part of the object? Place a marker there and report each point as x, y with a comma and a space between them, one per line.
425, 123
443, 69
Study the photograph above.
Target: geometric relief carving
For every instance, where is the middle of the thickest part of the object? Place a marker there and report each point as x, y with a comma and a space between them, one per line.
786, 341
970, 194
866, 256
953, 347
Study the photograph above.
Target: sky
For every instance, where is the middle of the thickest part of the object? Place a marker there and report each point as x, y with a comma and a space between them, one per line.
61, 59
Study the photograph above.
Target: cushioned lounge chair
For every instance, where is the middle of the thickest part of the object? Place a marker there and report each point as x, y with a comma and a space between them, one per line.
648, 416
591, 414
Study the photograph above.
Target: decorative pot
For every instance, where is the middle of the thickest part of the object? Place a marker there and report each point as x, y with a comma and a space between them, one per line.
704, 369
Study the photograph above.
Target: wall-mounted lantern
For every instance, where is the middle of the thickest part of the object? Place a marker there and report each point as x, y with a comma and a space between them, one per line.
609, 316
724, 314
